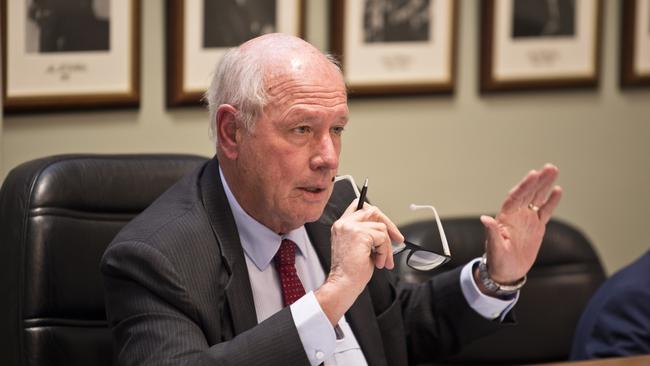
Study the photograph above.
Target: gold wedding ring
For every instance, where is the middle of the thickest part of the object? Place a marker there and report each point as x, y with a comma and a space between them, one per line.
533, 207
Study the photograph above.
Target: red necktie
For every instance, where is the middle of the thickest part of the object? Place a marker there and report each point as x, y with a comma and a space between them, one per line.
285, 260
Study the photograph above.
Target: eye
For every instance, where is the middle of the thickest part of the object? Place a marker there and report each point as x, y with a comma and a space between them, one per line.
338, 130
302, 129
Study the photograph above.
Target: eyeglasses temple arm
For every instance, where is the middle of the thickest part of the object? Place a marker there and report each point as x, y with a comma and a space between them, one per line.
443, 237
349, 178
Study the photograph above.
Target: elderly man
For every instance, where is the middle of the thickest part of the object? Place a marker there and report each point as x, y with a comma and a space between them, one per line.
232, 267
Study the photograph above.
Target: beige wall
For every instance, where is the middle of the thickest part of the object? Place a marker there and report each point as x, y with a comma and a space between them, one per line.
461, 153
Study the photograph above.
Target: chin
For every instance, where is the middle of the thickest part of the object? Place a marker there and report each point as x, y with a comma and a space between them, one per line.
301, 211
313, 214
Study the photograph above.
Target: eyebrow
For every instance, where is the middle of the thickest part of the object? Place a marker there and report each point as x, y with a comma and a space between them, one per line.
311, 118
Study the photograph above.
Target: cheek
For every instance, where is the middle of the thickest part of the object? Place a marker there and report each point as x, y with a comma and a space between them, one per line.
286, 166
275, 168
275, 178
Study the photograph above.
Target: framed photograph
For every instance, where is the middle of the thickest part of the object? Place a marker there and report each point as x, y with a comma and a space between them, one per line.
535, 44
199, 32
635, 43
61, 54
395, 46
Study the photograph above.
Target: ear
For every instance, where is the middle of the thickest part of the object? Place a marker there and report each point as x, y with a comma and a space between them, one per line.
228, 130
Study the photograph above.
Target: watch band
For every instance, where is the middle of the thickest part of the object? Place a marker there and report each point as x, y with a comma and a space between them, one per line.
494, 286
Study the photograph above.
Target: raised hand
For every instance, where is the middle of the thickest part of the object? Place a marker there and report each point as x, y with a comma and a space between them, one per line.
515, 235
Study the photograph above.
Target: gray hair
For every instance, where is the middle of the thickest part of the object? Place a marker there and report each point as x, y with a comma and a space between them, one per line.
239, 81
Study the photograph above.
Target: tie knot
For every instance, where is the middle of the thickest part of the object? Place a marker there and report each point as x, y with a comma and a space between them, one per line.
286, 255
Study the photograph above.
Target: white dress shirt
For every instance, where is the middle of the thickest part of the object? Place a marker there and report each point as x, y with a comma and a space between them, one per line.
314, 329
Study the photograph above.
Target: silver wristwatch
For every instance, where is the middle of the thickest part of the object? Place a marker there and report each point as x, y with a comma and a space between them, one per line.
493, 286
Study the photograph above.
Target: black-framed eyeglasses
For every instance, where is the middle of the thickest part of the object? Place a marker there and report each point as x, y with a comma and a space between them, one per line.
418, 258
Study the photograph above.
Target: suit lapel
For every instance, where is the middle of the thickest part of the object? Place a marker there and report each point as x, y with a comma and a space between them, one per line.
319, 235
361, 315
239, 295
238, 289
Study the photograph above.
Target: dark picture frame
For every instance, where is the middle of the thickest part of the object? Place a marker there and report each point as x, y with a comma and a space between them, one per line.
525, 47
70, 58
386, 50
192, 52
635, 43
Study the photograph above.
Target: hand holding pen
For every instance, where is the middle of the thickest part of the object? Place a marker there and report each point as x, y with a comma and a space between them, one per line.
421, 259
372, 214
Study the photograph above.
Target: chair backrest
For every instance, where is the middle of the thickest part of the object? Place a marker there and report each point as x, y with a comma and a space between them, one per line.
57, 215
565, 275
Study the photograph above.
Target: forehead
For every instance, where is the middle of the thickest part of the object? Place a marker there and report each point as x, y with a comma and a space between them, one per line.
317, 72
306, 82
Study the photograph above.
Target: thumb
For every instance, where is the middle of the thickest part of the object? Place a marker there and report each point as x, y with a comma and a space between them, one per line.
351, 208
492, 235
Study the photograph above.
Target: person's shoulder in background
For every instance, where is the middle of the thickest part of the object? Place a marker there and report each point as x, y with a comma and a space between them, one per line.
616, 322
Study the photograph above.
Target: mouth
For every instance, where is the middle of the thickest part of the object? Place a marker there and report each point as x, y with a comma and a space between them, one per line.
314, 192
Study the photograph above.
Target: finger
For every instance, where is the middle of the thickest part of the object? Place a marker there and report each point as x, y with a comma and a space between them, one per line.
521, 194
351, 208
375, 214
546, 211
359, 215
492, 235
372, 214
383, 247
547, 178
388, 247
383, 256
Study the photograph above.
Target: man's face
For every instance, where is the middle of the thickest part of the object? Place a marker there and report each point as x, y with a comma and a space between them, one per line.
287, 162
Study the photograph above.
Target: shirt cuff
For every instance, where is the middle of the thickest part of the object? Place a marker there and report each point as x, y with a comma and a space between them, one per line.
315, 330
489, 307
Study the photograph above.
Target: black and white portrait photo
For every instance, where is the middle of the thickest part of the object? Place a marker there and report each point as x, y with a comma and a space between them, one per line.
396, 20
67, 26
228, 23
543, 18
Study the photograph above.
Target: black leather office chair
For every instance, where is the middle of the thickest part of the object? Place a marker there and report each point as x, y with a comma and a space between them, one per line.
57, 215
565, 275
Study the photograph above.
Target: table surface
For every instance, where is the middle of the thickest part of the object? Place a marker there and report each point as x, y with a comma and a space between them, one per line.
627, 361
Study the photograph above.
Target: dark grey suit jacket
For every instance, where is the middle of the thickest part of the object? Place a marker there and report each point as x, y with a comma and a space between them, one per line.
178, 293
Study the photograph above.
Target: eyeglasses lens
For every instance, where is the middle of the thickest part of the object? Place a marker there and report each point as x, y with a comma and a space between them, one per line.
425, 261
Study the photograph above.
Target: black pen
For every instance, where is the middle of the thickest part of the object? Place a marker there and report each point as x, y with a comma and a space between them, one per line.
362, 197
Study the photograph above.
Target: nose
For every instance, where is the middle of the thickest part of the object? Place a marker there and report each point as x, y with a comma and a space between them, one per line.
326, 154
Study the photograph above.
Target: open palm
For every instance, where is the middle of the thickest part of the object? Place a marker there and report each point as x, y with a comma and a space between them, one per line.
515, 235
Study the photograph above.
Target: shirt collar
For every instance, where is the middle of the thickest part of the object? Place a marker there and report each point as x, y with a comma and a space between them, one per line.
258, 241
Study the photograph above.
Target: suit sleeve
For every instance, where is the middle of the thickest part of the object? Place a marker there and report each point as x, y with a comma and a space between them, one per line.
155, 322
438, 321
617, 327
